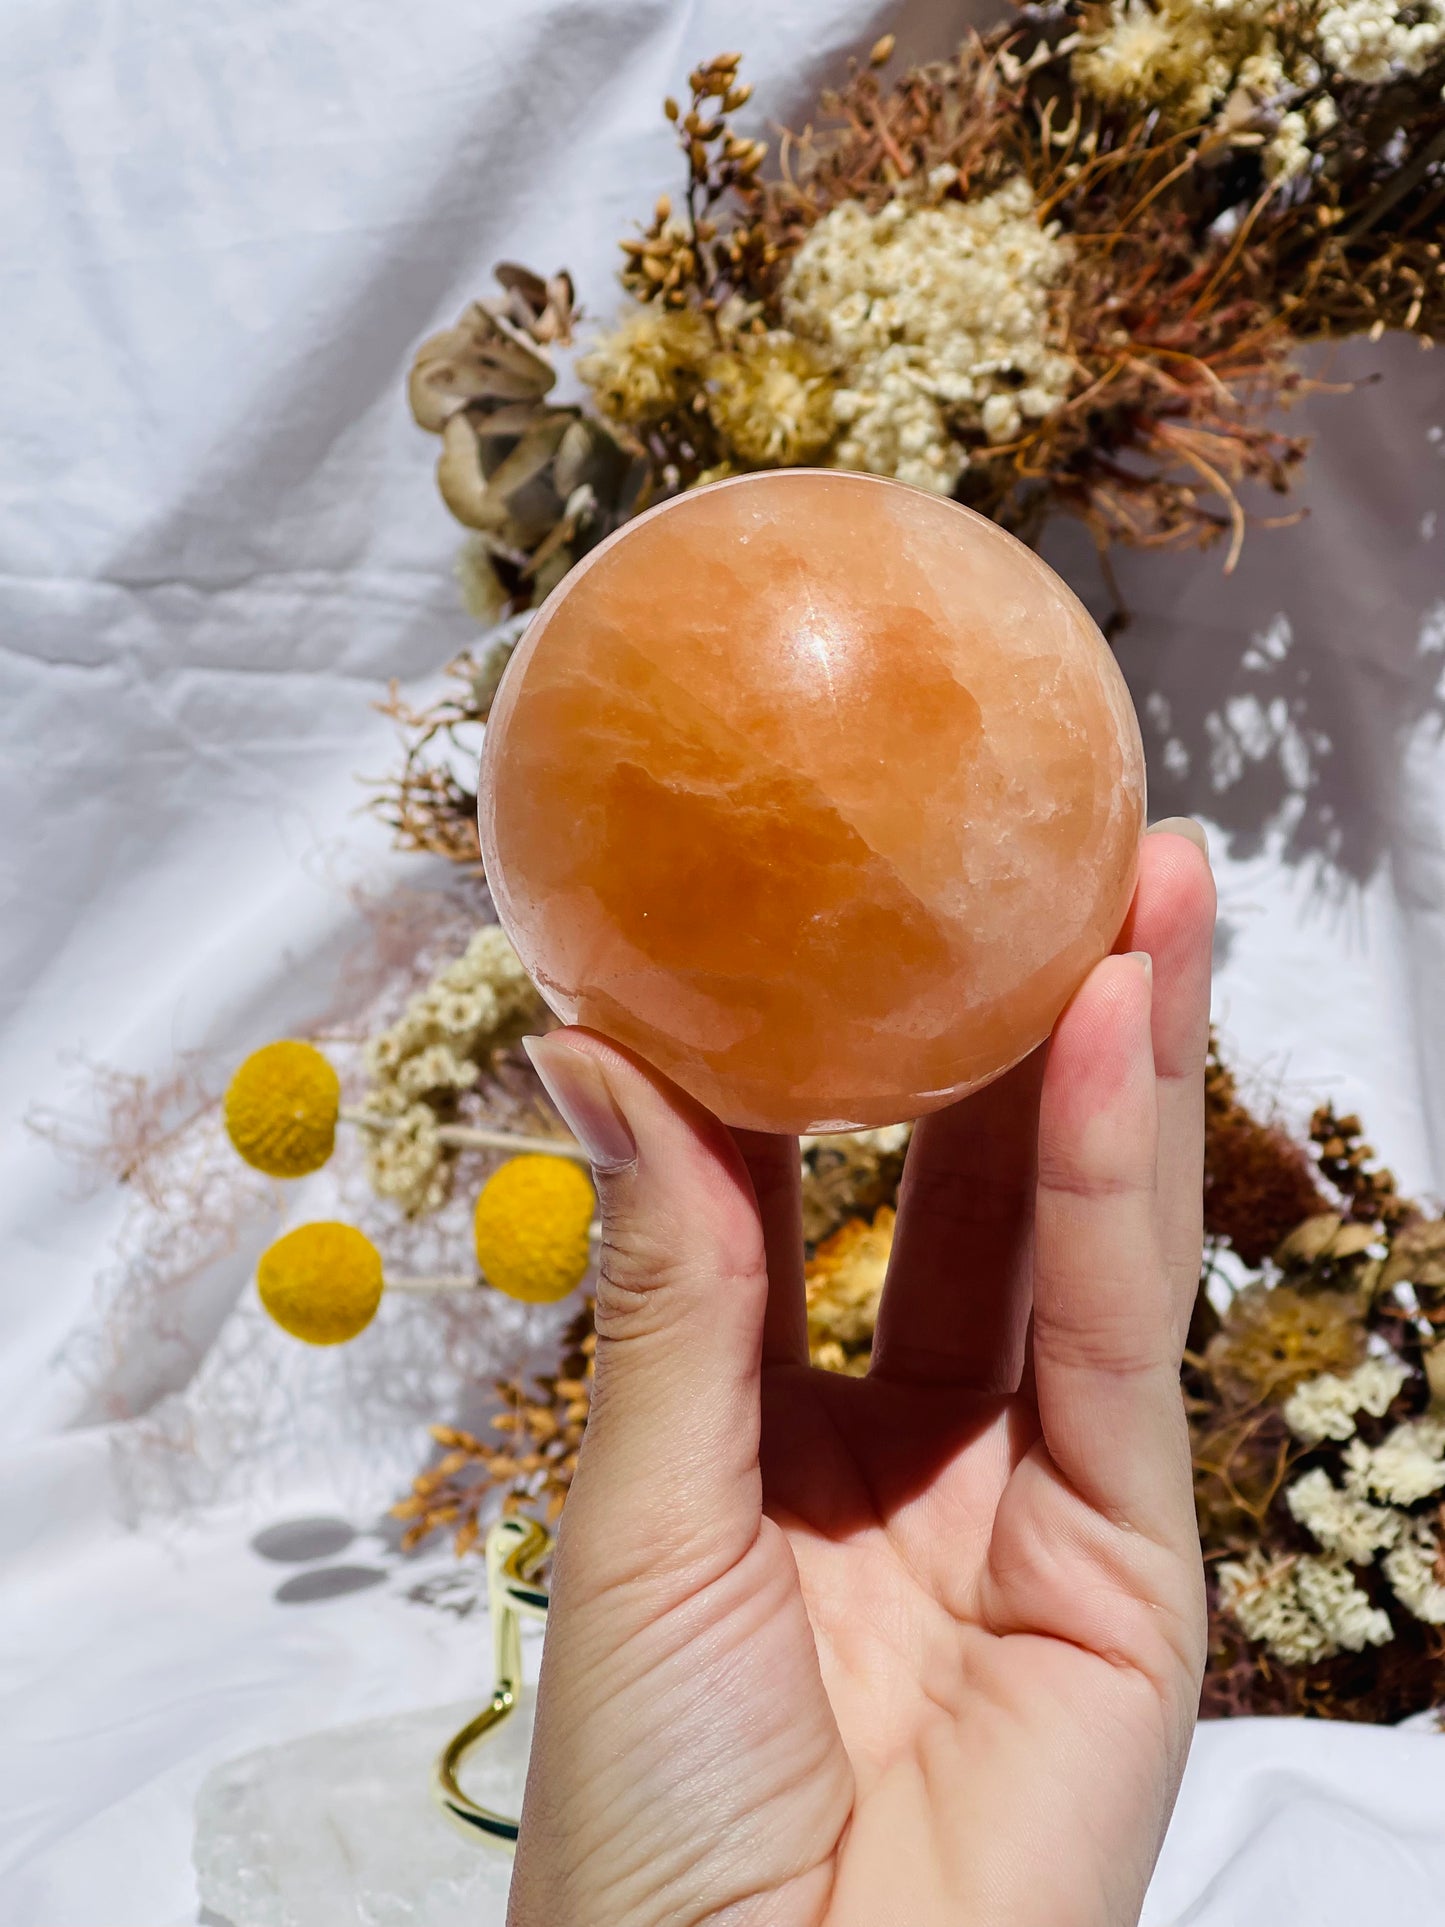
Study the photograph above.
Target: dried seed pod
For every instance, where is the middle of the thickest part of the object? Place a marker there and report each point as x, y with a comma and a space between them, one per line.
1417, 1257
485, 357
460, 480
1351, 1239
523, 281
1308, 1242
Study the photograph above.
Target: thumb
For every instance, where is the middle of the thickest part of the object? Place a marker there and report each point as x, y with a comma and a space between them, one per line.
667, 1479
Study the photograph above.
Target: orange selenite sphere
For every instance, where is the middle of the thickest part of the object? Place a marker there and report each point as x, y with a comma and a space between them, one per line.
820, 793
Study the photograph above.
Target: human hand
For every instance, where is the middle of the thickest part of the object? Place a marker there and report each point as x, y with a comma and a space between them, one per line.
917, 1648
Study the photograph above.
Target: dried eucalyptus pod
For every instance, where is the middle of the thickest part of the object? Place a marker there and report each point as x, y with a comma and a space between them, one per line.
1308, 1242
1351, 1240
537, 484
1417, 1257
485, 360
1327, 1250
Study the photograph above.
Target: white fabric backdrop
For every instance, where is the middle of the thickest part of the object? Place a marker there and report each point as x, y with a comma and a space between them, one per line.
221, 232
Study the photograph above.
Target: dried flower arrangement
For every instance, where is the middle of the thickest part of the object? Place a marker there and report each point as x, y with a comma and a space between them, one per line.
1316, 1402
1067, 271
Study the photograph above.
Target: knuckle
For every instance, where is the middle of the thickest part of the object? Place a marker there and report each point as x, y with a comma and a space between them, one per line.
635, 1270
1123, 1341
1099, 1171
648, 1274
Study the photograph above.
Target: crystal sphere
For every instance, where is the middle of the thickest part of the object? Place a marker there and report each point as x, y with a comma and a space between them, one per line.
820, 793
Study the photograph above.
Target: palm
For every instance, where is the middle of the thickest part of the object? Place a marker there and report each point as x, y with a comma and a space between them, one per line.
956, 1600
922, 1647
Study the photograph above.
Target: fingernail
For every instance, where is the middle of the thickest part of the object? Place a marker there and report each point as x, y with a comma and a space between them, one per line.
1184, 826
1144, 961
577, 1085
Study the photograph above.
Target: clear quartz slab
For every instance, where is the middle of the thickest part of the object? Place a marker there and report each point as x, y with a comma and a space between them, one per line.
340, 1829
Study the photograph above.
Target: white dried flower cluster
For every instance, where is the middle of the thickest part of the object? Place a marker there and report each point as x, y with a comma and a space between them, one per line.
1349, 1526
433, 1052
1260, 88
1326, 1407
937, 318
1200, 58
1371, 40
1342, 1522
1302, 1607
1287, 153
1261, 72
1167, 56
1323, 115
1339, 1606
1414, 1570
1406, 1466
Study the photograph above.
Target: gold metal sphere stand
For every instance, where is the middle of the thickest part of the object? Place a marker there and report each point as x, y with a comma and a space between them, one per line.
515, 1550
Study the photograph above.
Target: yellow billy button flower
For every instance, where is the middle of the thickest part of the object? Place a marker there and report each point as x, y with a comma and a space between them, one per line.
281, 1109
321, 1282
532, 1225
